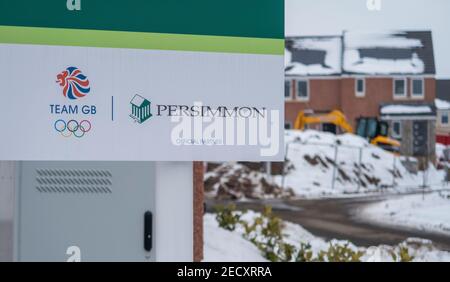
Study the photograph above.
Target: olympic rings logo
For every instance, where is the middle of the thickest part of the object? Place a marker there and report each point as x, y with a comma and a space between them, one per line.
72, 127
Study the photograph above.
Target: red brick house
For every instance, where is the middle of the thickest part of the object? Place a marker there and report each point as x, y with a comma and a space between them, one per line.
313, 75
358, 73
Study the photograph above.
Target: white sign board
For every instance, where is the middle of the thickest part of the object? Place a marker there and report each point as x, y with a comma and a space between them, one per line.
89, 94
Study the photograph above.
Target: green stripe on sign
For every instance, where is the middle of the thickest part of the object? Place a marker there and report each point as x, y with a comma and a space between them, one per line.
240, 18
139, 40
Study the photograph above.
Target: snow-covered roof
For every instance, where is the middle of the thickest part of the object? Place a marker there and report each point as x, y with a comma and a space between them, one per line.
406, 109
380, 39
442, 105
313, 55
365, 53
389, 52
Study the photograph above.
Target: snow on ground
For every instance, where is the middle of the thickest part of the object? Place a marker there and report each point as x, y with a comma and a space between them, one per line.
221, 245
429, 212
357, 168
224, 245
311, 156
440, 151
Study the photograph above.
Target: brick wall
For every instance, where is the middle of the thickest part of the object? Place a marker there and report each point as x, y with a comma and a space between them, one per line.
339, 93
378, 91
324, 96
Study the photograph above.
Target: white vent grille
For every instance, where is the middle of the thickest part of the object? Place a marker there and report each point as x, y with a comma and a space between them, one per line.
74, 181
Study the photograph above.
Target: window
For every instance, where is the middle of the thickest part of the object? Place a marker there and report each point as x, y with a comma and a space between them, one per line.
444, 118
302, 90
361, 127
397, 129
400, 88
383, 128
287, 89
360, 87
417, 86
372, 128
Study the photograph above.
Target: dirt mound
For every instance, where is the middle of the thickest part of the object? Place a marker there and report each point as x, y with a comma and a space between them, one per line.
237, 181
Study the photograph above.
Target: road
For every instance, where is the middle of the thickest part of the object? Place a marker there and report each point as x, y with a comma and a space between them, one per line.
334, 219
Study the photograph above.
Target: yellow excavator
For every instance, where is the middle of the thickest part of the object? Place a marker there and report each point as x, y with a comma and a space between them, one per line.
374, 130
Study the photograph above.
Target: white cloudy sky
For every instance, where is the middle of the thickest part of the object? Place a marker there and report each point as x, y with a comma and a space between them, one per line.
325, 17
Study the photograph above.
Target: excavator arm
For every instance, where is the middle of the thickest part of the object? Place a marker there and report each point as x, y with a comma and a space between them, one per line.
335, 117
338, 118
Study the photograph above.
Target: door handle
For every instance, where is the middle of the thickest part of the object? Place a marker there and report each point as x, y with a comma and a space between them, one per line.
148, 230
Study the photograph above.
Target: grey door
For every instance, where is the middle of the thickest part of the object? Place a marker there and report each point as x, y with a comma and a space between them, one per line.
420, 138
96, 208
